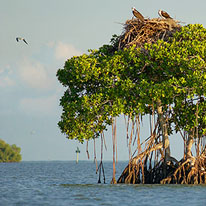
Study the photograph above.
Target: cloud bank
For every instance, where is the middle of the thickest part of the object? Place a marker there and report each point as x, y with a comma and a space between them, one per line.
39, 105
65, 51
5, 81
5, 77
35, 75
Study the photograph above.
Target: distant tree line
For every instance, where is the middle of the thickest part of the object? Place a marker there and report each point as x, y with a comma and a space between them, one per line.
9, 153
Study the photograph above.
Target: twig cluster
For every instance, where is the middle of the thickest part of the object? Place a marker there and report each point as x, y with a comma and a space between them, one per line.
149, 31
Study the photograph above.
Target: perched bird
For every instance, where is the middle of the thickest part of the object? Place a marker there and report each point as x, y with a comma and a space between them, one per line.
164, 14
20, 38
137, 14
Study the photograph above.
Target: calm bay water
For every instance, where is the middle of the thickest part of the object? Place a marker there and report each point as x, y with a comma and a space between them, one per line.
62, 183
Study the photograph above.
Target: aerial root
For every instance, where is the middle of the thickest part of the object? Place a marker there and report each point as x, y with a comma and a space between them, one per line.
182, 173
188, 173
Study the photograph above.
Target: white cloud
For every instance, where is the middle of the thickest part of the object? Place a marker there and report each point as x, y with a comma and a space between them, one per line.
1, 71
35, 75
65, 51
5, 77
39, 106
5, 81
51, 44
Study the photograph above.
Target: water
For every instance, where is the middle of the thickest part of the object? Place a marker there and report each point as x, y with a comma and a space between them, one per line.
64, 183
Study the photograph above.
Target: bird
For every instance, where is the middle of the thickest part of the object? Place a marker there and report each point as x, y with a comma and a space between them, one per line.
20, 38
164, 14
137, 14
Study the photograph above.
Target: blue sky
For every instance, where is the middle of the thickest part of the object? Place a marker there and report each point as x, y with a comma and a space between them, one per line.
56, 30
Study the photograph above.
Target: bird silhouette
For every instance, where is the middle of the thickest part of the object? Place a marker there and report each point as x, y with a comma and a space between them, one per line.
21, 39
164, 14
137, 14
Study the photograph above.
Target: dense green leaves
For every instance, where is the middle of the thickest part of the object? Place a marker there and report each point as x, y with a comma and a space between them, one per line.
108, 82
9, 153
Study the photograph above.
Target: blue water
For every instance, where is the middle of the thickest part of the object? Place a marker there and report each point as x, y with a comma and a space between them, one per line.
62, 183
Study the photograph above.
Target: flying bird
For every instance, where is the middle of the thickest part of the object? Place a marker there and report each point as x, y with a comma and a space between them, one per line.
164, 14
137, 14
20, 38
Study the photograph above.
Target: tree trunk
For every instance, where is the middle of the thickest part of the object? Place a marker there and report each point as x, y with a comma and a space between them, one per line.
113, 143
189, 144
165, 138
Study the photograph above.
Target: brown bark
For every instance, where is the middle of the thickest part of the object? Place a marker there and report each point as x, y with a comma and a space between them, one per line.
189, 144
163, 126
165, 138
113, 142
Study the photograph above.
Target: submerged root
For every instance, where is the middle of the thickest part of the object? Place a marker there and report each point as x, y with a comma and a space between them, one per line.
113, 181
182, 173
145, 175
189, 172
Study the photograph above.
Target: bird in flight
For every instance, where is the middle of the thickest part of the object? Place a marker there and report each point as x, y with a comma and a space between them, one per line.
137, 14
164, 14
20, 38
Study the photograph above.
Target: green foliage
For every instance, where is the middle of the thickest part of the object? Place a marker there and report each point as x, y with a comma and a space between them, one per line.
108, 82
9, 153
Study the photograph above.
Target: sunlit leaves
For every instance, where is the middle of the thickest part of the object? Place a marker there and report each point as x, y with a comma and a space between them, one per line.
108, 82
9, 153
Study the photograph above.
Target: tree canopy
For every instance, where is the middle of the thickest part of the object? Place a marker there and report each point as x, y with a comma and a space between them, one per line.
108, 82
9, 153
162, 77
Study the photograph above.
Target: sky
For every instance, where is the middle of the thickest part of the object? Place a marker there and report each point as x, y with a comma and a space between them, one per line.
55, 31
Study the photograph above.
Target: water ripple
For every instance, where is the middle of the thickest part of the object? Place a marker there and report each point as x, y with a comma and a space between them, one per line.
68, 183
